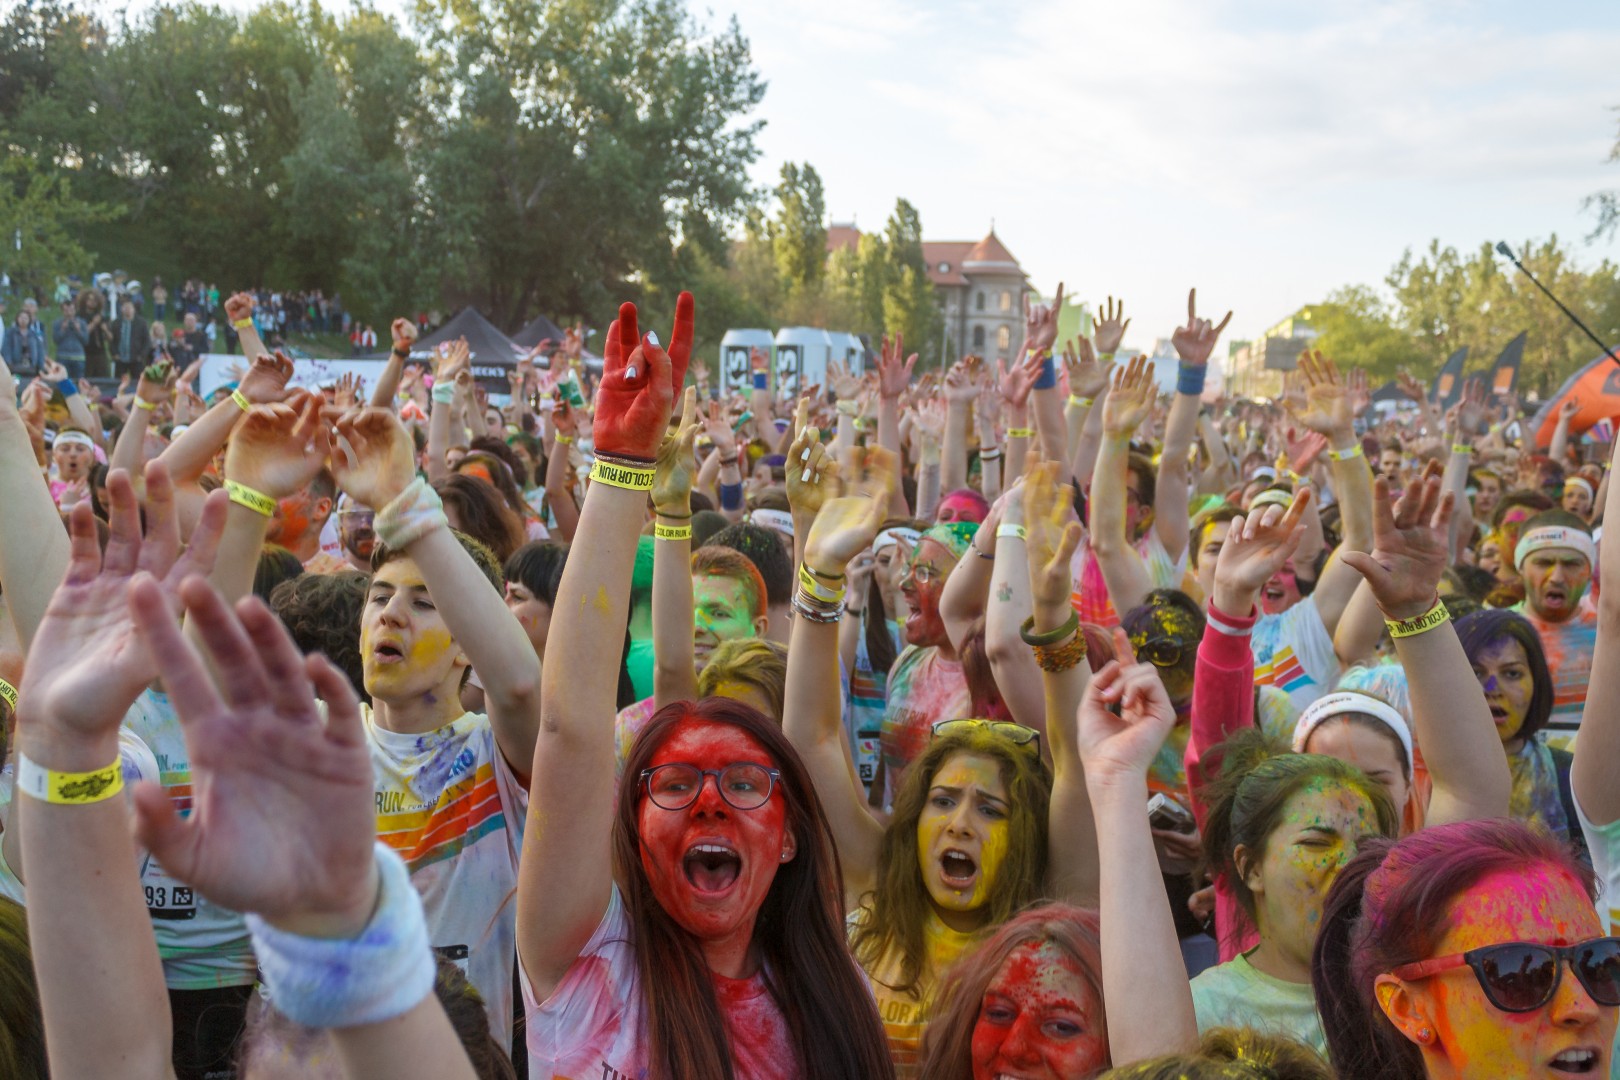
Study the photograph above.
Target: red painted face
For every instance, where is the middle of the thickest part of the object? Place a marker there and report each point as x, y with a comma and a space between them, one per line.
1281, 592
711, 865
922, 586
1039, 1020
959, 508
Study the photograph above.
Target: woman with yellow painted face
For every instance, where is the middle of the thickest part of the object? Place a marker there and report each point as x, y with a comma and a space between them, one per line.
981, 827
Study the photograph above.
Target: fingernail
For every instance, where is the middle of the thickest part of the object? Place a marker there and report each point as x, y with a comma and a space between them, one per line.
806, 455
652, 338
630, 372
806, 477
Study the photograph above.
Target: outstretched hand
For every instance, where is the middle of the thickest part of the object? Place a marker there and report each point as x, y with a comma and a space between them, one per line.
282, 821
278, 449
894, 376
1041, 322
1257, 546
1110, 328
812, 473
1410, 545
374, 459
1052, 534
1119, 748
1131, 399
639, 378
1327, 409
846, 526
1195, 341
677, 461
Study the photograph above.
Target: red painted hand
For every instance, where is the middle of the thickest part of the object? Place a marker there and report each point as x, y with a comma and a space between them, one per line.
638, 383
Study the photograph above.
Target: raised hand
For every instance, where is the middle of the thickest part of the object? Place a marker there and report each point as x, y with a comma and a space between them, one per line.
844, 384
1088, 376
1041, 322
53, 372
88, 663
812, 473
374, 459
1017, 382
1195, 341
278, 449
638, 383
266, 380
961, 383
403, 332
1410, 545
348, 391
1052, 534
1412, 387
677, 461
1109, 330
1131, 399
719, 430
846, 526
282, 820
448, 360
1257, 546
1119, 748
239, 306
1567, 411
1327, 409
1360, 393
156, 384
1303, 448
894, 376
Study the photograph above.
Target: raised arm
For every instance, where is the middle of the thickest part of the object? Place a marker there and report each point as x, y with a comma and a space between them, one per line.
560, 468
1597, 751
967, 589
1194, 343
1559, 450
572, 803
1007, 606
448, 366
1126, 409
33, 548
961, 390
894, 375
156, 386
1452, 720
1470, 425
728, 456
1016, 384
674, 657
812, 713
404, 334
1141, 958
79, 411
1040, 337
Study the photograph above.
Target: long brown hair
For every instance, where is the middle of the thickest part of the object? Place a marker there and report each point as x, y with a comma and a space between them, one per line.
799, 932
896, 915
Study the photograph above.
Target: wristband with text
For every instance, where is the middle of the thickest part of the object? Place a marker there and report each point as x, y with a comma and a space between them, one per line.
1190, 378
1404, 628
1461, 448
241, 400
142, 403
672, 532
1079, 402
67, 788
1017, 532
1352, 452
241, 324
8, 693
818, 589
1020, 433
258, 501
626, 477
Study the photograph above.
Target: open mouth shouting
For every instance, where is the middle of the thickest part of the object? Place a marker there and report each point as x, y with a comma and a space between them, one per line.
957, 869
1578, 1061
387, 651
711, 867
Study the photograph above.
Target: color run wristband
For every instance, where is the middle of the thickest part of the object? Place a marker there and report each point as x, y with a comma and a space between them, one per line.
1016, 532
242, 495
241, 324
69, 788
1351, 454
382, 973
672, 532
142, 403
8, 693
241, 400
1020, 433
1403, 628
1461, 448
566, 440
622, 476
1079, 402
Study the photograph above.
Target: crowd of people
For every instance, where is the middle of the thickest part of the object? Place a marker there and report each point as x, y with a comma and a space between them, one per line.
1015, 720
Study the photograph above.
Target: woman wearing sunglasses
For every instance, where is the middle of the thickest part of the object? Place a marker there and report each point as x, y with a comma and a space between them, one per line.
1469, 950
982, 827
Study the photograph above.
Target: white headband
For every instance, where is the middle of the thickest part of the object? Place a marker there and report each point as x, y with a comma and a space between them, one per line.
888, 538
780, 520
1554, 536
73, 438
1270, 497
1348, 701
1583, 481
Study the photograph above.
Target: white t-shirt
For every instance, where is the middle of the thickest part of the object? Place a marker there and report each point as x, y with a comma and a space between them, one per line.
592, 1026
1294, 652
450, 806
1238, 994
1603, 844
203, 945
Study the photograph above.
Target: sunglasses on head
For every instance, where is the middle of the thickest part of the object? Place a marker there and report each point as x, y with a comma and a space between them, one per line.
1017, 734
1521, 976
1159, 651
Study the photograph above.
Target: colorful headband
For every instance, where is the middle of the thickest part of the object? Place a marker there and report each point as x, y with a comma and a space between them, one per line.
953, 536
1348, 701
1554, 536
888, 538
780, 520
1270, 497
74, 438
1583, 481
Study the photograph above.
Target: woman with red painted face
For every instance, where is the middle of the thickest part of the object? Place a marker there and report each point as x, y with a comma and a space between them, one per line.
687, 925
982, 826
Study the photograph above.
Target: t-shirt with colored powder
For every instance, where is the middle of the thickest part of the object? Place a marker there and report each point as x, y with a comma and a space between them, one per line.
1090, 597
1569, 646
924, 688
1603, 844
864, 706
1294, 652
203, 945
449, 805
593, 1026
1238, 994
904, 1014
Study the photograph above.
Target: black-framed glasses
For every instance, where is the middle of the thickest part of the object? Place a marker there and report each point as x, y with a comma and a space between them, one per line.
1017, 734
1159, 651
744, 785
1522, 976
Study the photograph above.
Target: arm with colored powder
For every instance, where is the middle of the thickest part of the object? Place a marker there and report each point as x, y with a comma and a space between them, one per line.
1597, 751
1012, 665
375, 463
812, 712
967, 588
156, 386
572, 798
79, 414
1470, 423
674, 661
1141, 958
1127, 408
1452, 721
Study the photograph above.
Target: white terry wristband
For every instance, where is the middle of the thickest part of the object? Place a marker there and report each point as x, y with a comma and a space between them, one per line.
413, 514
383, 973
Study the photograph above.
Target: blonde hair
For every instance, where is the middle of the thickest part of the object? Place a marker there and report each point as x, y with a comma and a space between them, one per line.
753, 662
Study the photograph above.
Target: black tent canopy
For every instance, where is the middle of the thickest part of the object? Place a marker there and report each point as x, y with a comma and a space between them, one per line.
493, 353
537, 330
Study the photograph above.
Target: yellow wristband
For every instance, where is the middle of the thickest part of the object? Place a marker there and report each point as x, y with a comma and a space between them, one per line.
1461, 448
8, 693
672, 532
1081, 402
623, 476
1351, 454
1016, 532
1020, 433
566, 440
242, 495
241, 400
818, 589
241, 324
1401, 628
142, 403
69, 788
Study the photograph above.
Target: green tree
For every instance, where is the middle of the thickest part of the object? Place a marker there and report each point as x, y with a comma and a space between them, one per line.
1355, 326
910, 305
799, 233
42, 222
